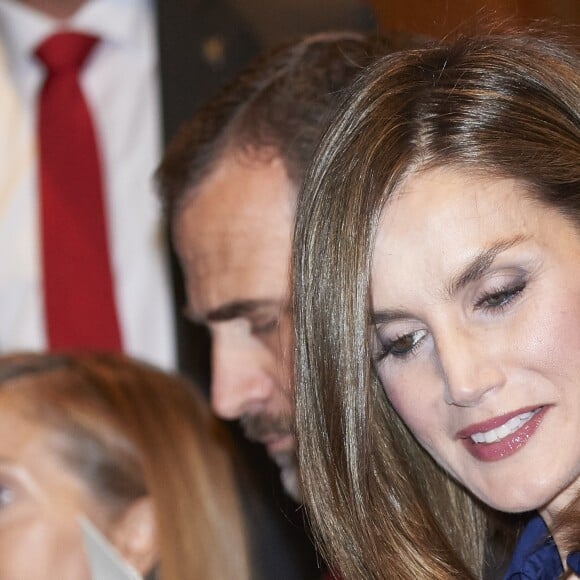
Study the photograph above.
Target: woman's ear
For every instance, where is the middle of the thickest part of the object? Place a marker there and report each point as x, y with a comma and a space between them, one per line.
134, 535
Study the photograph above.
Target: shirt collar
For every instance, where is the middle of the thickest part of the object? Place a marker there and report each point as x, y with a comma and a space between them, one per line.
536, 556
129, 23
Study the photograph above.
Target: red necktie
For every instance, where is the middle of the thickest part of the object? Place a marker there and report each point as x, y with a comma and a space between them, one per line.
79, 301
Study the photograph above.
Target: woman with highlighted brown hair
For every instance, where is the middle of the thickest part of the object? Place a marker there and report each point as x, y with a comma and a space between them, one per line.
119, 443
437, 304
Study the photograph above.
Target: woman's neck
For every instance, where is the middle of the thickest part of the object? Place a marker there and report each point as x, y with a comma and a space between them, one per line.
561, 518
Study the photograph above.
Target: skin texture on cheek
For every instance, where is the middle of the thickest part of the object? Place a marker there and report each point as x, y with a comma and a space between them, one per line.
35, 549
40, 536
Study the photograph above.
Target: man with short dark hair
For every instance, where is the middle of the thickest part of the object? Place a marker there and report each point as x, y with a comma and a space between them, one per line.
229, 181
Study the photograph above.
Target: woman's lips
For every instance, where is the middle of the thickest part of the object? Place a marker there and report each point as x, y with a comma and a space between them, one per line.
502, 436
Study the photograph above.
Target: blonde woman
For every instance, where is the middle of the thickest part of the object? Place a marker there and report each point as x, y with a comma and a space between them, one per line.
125, 445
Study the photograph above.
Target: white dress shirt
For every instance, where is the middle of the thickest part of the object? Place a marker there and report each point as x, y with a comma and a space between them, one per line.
120, 82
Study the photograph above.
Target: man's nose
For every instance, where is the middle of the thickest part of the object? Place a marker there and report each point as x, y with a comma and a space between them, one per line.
242, 380
469, 367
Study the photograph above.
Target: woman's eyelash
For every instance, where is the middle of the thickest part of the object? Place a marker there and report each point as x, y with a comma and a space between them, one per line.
500, 298
402, 347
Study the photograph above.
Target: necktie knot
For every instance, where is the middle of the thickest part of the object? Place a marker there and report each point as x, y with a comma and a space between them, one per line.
65, 51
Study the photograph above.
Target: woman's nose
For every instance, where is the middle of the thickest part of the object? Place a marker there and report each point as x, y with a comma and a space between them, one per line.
469, 367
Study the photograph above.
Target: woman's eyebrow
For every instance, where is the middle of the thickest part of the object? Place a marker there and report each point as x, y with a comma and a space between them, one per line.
388, 315
474, 270
477, 267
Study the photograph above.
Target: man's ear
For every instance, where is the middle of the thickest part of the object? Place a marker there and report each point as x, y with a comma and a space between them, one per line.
134, 535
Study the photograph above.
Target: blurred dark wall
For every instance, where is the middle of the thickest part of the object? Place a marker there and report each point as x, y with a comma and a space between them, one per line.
439, 17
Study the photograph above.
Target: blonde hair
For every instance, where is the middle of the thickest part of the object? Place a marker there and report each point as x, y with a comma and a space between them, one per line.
129, 430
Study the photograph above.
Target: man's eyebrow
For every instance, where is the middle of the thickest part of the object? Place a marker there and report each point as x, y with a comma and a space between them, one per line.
480, 264
238, 309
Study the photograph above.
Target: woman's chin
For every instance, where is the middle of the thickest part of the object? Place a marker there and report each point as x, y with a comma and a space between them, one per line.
524, 498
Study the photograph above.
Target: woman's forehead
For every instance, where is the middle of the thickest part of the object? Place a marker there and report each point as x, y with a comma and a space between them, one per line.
428, 201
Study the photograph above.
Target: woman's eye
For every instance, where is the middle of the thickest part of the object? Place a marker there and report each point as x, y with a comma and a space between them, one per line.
403, 346
500, 298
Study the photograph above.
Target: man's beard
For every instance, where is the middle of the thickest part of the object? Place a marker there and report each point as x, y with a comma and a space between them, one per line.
262, 428
289, 476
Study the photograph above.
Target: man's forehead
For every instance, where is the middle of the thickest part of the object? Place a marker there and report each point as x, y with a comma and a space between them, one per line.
247, 181
240, 196
234, 235
241, 249
243, 273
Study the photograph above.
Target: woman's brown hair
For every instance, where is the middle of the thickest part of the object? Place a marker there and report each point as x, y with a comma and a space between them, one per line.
505, 103
130, 430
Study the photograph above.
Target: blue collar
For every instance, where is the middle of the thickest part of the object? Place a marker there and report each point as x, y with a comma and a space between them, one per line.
536, 556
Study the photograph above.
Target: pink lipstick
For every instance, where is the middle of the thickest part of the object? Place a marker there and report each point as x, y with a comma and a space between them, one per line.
502, 436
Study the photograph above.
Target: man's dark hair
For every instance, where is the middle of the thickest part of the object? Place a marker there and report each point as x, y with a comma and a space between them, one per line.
279, 104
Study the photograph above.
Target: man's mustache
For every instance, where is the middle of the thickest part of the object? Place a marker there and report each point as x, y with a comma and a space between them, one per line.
260, 427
